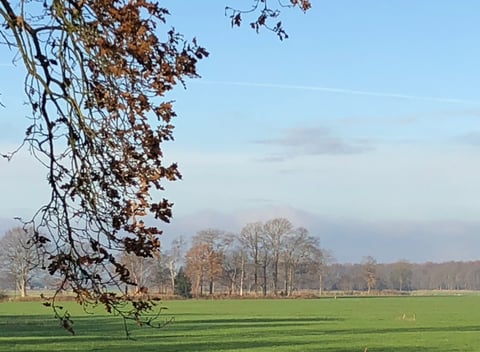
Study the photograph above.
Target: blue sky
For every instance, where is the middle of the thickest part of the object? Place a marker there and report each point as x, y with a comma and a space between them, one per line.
367, 118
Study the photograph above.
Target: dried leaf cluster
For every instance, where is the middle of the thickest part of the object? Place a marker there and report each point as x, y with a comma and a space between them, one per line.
97, 75
267, 16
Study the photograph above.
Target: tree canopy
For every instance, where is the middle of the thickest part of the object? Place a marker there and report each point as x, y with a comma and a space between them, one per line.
18, 258
97, 73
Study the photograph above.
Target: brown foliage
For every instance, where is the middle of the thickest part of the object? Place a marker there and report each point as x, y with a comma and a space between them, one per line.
203, 264
97, 73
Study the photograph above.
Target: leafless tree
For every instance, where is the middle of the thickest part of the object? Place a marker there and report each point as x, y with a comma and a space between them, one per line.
251, 239
196, 262
298, 248
19, 257
275, 232
173, 258
234, 268
141, 270
370, 271
321, 259
401, 275
218, 241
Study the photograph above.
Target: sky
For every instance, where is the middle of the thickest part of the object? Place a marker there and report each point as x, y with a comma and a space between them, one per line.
363, 127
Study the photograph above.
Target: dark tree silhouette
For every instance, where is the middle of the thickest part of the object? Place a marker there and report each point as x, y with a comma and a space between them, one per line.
265, 15
183, 286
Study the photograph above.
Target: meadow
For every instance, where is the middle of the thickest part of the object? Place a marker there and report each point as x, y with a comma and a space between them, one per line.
397, 324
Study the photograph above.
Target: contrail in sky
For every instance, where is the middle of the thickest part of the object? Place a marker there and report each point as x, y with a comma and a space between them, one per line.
344, 91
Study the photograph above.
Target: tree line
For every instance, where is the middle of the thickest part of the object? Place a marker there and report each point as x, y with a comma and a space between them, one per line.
264, 258
271, 258
404, 276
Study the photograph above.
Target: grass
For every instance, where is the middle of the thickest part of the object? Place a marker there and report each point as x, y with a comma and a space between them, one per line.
346, 324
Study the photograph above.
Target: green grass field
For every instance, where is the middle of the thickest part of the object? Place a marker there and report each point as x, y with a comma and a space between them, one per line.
399, 324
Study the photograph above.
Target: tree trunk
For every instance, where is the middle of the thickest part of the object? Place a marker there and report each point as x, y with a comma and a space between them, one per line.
210, 288
242, 273
320, 284
275, 277
22, 287
233, 281
255, 277
290, 280
200, 286
172, 276
264, 279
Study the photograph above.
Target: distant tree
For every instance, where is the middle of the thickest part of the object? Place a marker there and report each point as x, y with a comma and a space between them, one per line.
345, 283
19, 257
173, 258
234, 261
317, 262
160, 276
140, 270
196, 267
214, 243
251, 240
275, 232
214, 268
401, 275
298, 247
265, 260
183, 286
370, 271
